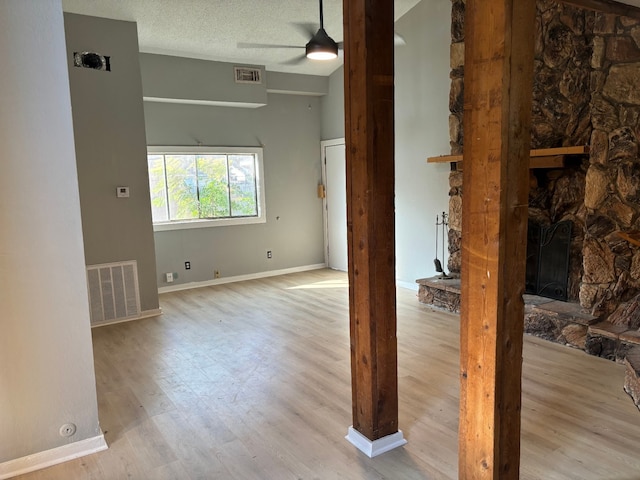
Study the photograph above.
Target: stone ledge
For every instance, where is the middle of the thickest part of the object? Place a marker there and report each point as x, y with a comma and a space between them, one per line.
556, 321
572, 311
632, 337
565, 323
442, 293
632, 375
560, 322
530, 299
445, 284
608, 330
610, 341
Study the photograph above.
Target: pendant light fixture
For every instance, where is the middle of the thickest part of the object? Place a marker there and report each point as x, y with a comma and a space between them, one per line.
321, 46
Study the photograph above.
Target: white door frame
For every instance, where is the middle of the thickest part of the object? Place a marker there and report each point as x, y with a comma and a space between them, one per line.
323, 152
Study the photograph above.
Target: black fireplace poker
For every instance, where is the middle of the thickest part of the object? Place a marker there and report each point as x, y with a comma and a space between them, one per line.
441, 227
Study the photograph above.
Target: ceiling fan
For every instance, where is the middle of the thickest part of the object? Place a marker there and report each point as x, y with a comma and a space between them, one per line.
320, 47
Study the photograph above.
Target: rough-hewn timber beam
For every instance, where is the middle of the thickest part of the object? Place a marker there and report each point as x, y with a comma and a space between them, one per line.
369, 132
497, 116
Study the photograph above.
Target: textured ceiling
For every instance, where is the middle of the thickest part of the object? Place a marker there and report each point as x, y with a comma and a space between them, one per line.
212, 29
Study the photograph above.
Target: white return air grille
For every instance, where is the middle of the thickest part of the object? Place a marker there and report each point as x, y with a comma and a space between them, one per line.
247, 75
113, 291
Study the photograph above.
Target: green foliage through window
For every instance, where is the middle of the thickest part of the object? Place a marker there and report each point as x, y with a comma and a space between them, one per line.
203, 186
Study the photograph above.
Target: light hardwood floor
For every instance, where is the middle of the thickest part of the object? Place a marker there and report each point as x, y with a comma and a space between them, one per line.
251, 381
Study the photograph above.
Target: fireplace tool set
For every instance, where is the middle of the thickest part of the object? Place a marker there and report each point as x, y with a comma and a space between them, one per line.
441, 228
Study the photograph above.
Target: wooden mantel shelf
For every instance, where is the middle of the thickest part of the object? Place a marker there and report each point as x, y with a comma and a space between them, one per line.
632, 237
540, 158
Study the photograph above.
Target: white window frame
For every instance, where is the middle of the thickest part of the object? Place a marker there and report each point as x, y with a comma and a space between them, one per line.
216, 222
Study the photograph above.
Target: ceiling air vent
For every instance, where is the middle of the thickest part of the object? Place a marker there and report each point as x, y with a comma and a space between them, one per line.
92, 60
248, 75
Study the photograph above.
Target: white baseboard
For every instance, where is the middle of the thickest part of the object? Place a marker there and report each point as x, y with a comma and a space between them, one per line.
239, 278
57, 455
372, 448
146, 314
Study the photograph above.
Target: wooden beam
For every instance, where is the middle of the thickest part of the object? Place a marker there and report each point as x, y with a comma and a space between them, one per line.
552, 161
369, 132
497, 116
545, 152
541, 152
445, 159
606, 6
632, 237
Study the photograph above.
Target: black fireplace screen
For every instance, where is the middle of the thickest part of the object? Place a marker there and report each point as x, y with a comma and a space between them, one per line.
548, 259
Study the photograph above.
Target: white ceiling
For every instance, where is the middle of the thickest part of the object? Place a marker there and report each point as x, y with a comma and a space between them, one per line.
212, 29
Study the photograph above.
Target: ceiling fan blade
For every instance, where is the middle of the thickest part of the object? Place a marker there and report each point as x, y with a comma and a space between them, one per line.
308, 30
295, 61
265, 45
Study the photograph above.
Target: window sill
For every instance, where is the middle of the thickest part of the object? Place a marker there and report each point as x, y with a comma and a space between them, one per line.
223, 222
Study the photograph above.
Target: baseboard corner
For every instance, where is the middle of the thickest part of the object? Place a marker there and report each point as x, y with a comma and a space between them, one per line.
373, 448
54, 456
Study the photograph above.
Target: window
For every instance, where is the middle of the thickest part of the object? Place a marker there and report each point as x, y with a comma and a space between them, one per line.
202, 187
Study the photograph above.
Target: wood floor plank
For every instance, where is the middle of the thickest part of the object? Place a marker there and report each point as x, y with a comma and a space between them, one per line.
237, 382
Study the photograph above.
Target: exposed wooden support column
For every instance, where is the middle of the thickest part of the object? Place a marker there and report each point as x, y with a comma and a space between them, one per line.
497, 116
369, 132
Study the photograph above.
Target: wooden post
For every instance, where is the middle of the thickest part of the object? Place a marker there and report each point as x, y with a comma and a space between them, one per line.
369, 132
497, 114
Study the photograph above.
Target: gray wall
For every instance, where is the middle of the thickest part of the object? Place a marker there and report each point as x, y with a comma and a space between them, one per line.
296, 84
46, 362
422, 130
110, 144
288, 128
180, 78
333, 107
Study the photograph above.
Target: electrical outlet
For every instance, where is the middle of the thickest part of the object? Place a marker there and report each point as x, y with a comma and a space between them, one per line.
269, 255
187, 265
216, 274
122, 192
169, 277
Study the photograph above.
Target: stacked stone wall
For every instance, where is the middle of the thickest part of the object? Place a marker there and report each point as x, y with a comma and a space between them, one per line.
586, 92
612, 190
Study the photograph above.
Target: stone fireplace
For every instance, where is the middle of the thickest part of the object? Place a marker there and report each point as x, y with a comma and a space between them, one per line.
586, 92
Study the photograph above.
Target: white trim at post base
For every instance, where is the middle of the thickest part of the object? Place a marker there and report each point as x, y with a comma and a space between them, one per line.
373, 448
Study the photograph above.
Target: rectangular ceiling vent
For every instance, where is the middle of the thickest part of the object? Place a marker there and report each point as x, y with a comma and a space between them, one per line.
248, 75
113, 291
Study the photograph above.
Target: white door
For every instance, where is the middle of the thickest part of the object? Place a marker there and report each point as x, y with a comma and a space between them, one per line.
336, 205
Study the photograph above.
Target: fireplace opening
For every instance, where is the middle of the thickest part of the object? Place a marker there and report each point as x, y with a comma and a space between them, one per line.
547, 269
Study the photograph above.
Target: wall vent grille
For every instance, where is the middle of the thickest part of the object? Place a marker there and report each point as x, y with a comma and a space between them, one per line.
247, 75
113, 291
